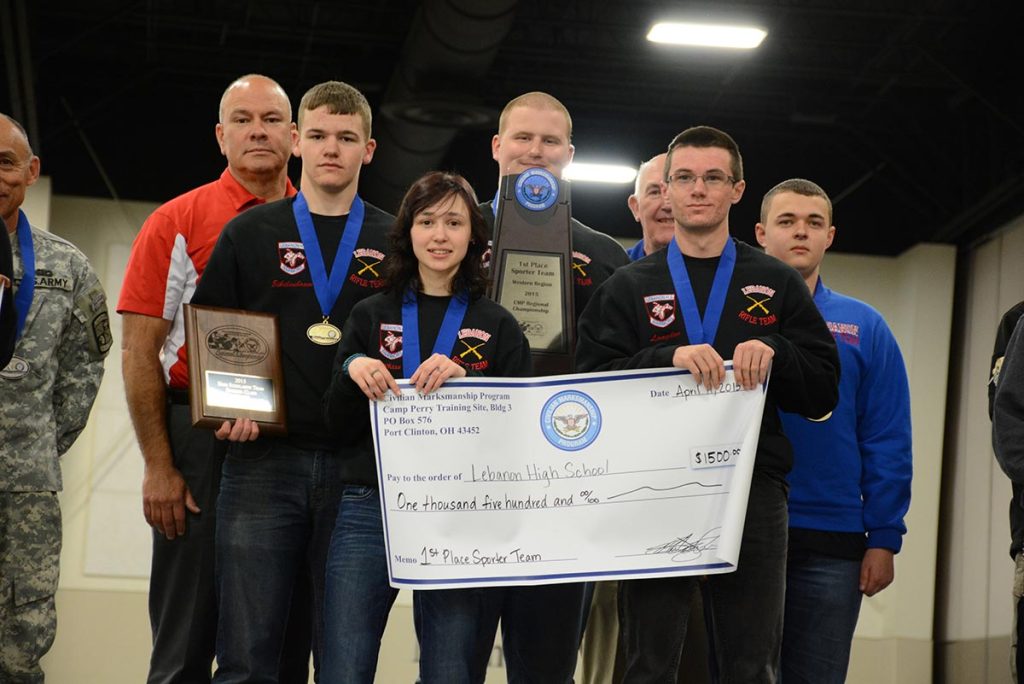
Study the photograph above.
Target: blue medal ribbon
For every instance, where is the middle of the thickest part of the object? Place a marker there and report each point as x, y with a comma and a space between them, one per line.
327, 286
445, 341
701, 331
27, 288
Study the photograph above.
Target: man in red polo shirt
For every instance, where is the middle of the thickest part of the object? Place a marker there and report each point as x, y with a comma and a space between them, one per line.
182, 473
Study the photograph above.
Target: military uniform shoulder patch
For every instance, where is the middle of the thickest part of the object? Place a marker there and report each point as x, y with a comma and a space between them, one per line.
91, 310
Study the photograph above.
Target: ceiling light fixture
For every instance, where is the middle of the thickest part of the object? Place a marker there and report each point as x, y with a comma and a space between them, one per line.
599, 173
706, 35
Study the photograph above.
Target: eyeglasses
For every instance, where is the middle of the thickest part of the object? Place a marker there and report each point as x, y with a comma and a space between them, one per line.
711, 180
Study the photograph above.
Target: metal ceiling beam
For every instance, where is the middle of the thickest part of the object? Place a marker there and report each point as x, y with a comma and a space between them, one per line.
432, 93
131, 22
978, 213
18, 57
11, 59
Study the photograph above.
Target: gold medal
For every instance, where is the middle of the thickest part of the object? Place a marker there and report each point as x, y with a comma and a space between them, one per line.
323, 333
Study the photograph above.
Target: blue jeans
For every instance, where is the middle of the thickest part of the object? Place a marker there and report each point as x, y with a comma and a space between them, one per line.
275, 514
743, 608
358, 596
539, 629
822, 605
182, 591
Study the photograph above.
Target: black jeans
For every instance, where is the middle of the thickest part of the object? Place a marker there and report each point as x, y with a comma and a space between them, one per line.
744, 607
539, 631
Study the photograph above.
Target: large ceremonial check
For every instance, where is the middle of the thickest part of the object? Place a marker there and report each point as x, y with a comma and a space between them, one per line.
594, 476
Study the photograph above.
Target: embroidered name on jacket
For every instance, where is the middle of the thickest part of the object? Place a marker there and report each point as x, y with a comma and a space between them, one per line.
55, 282
845, 332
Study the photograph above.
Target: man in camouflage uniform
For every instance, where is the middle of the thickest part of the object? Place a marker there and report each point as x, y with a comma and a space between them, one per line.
46, 392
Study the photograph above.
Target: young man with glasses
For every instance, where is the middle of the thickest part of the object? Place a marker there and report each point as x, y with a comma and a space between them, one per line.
725, 299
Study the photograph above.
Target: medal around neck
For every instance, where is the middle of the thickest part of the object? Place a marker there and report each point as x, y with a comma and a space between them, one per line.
234, 368
323, 333
327, 286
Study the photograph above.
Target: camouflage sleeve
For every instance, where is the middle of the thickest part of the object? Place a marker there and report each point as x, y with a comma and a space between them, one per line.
80, 352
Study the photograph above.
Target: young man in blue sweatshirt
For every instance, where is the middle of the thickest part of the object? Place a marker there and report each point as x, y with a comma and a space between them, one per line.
850, 483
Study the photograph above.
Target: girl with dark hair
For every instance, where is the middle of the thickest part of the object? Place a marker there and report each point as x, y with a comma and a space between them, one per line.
431, 324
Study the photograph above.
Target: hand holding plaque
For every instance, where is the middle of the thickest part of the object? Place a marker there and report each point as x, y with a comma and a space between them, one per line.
234, 364
532, 262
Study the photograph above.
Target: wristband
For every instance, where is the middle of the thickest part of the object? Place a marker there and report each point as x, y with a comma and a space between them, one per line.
348, 362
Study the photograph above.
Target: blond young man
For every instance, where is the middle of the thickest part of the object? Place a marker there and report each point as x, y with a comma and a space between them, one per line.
279, 496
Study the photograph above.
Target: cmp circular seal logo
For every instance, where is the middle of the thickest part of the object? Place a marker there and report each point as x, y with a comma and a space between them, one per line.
536, 189
570, 420
237, 345
15, 370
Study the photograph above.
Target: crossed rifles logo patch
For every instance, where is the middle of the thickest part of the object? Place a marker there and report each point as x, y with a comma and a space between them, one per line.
369, 263
467, 351
759, 302
580, 268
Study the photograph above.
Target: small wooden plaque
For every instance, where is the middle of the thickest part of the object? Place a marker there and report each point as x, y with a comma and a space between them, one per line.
234, 368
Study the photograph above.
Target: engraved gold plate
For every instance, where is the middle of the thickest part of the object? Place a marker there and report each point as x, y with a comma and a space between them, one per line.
323, 334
